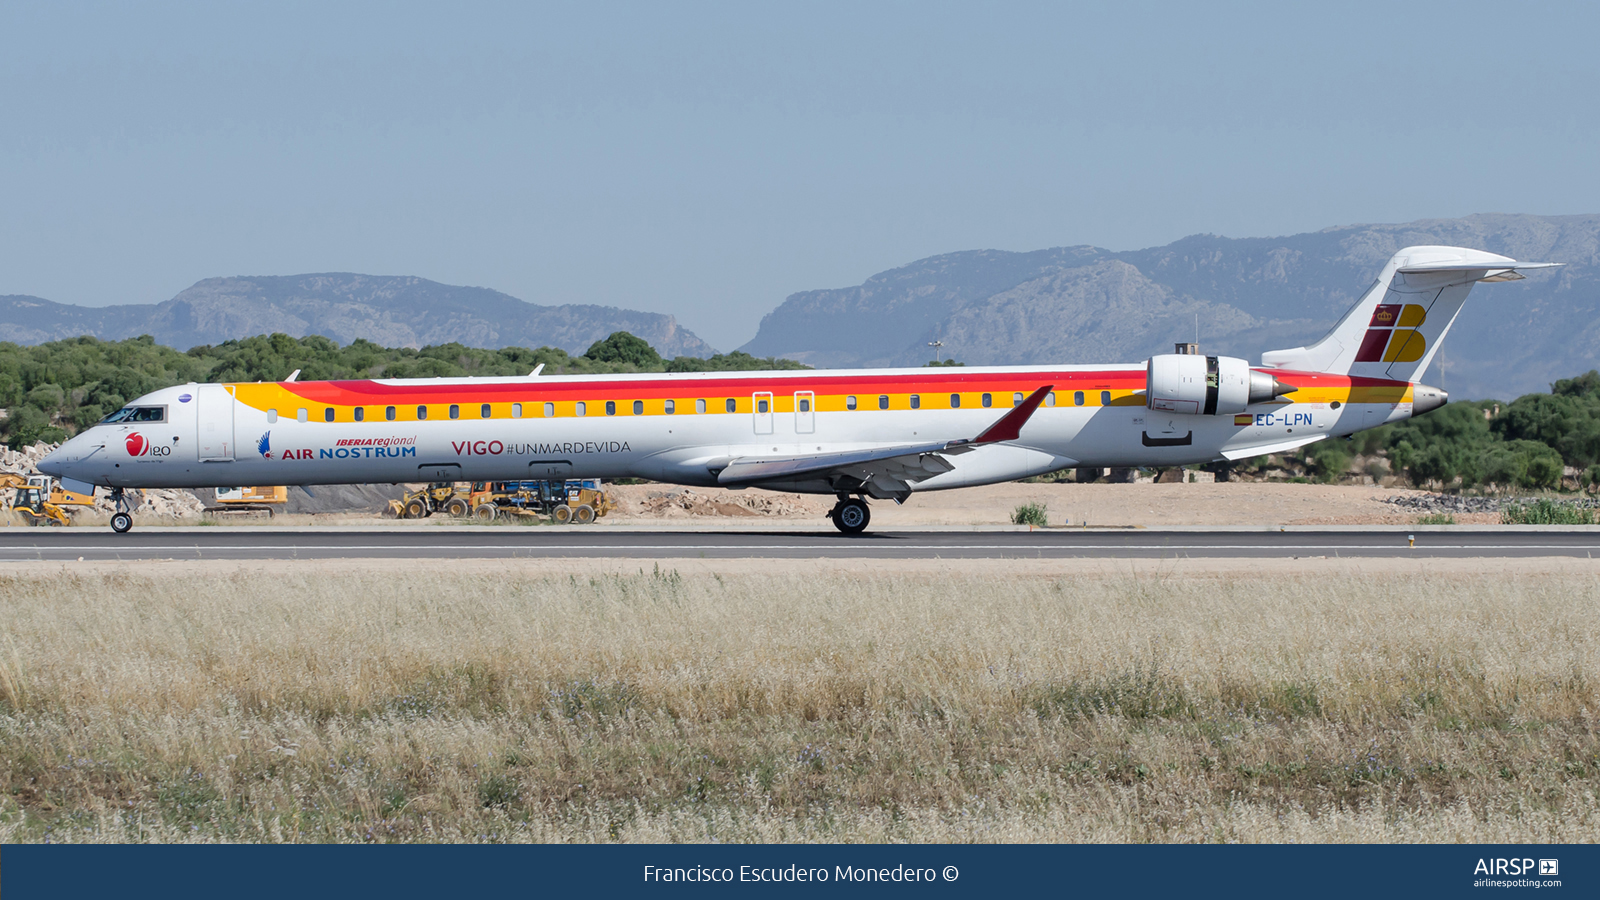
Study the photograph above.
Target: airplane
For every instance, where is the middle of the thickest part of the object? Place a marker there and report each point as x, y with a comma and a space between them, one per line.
878, 434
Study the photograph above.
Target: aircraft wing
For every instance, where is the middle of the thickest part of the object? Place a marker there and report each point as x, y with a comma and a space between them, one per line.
885, 472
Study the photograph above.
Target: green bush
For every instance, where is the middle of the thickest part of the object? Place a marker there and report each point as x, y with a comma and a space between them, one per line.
1546, 512
1030, 514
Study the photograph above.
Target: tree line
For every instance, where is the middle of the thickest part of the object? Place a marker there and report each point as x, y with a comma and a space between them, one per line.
54, 390
51, 391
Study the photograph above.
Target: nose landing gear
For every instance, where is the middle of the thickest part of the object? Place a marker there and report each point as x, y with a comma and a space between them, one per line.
850, 515
122, 519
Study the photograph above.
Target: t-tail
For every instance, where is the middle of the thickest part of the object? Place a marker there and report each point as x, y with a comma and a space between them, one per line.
1398, 324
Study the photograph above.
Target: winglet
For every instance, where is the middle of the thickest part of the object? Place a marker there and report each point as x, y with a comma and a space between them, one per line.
1010, 424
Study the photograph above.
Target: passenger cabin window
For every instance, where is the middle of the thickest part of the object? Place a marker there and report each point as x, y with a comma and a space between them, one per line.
761, 406
1016, 399
955, 401
883, 401
1105, 398
484, 411
422, 412
580, 408
988, 400
805, 404
1050, 399
638, 407
455, 411
850, 402
272, 415
361, 414
1077, 398
733, 405
699, 406
671, 407
327, 414
302, 415
611, 407
388, 413
916, 401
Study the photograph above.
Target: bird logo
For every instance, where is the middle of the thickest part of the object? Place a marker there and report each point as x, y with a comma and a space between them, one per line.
264, 447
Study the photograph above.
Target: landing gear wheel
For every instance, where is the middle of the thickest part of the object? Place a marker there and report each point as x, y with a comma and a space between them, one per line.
121, 522
851, 516
485, 512
416, 509
457, 507
563, 514
583, 515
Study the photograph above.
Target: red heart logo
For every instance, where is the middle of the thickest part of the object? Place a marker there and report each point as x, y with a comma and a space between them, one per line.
137, 445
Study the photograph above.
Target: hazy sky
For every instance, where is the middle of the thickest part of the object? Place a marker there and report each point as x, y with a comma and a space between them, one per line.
706, 161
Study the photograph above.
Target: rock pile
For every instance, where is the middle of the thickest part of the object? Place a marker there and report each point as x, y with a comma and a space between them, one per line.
1455, 503
685, 501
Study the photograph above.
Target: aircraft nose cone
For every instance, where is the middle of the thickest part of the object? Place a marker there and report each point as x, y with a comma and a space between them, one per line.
51, 464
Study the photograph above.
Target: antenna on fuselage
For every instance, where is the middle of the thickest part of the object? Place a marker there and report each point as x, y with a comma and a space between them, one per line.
293, 375
536, 370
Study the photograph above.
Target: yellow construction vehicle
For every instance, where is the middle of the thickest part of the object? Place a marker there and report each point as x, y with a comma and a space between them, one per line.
36, 501
574, 502
585, 503
436, 496
248, 501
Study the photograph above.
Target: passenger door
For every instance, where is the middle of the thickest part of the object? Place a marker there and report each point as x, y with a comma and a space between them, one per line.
805, 408
214, 422
761, 404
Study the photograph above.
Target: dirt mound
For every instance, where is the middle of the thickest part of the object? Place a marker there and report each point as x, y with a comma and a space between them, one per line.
664, 502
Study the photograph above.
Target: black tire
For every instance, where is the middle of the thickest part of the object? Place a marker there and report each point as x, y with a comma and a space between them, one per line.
485, 512
562, 514
121, 523
457, 507
583, 515
852, 516
416, 509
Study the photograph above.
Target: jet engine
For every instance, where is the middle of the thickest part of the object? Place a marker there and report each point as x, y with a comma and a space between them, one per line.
1206, 385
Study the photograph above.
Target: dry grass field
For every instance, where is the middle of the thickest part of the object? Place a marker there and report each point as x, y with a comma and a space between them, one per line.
290, 703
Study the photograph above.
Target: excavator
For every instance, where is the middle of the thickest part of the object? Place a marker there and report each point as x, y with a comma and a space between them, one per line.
38, 503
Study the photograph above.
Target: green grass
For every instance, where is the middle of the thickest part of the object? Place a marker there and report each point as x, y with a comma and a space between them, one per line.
1546, 512
1436, 519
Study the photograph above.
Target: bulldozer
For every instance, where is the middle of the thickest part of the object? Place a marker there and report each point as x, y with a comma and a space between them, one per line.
440, 495
38, 503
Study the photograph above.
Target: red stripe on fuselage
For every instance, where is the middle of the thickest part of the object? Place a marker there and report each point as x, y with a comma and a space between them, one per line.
373, 393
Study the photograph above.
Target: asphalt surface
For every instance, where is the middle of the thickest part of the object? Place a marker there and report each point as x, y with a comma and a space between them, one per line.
241, 543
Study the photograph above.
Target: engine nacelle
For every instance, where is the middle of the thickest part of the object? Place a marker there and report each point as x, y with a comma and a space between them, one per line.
1206, 385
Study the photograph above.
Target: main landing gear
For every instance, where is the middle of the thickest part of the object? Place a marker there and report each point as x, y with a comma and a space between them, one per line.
850, 515
122, 519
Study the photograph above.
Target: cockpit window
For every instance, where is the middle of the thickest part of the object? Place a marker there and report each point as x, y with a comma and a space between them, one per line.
136, 414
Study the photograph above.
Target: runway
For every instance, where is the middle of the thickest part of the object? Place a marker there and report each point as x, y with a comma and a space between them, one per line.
440, 543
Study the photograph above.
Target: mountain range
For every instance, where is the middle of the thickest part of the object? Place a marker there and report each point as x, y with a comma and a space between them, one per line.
1086, 304
1063, 305
394, 311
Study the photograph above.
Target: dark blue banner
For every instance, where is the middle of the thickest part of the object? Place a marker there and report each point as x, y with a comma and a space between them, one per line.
277, 872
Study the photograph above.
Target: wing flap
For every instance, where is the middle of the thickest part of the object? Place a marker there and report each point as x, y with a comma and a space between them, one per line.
897, 463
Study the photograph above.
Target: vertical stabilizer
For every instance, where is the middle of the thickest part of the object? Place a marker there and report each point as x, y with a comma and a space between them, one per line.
1395, 328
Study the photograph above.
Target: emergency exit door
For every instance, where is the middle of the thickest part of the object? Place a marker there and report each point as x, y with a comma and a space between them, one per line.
761, 407
214, 422
805, 411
